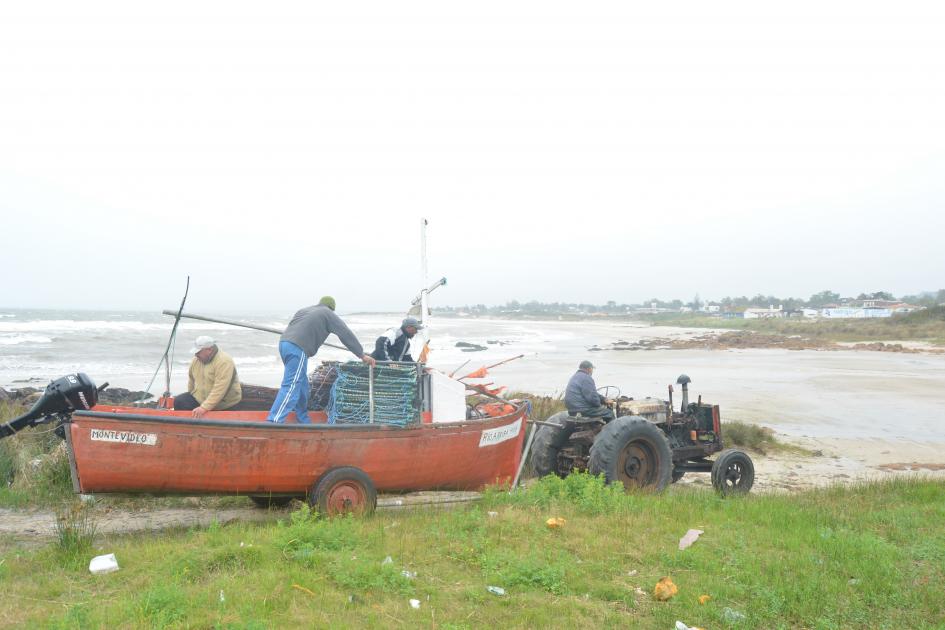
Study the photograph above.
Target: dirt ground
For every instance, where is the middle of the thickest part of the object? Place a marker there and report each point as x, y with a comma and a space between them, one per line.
39, 526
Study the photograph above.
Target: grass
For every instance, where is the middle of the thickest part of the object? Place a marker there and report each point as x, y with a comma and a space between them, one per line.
543, 407
858, 556
926, 325
34, 465
756, 438
75, 529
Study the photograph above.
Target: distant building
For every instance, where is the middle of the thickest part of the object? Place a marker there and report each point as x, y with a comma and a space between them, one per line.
710, 308
764, 313
880, 303
850, 312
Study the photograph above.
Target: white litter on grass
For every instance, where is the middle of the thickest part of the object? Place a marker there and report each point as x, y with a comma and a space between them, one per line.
103, 564
409, 574
731, 616
222, 598
496, 590
492, 514
691, 536
387, 560
415, 604
632, 573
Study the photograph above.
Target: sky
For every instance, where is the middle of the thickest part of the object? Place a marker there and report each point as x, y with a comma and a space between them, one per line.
561, 151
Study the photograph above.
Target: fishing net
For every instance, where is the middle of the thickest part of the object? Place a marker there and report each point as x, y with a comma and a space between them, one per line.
396, 400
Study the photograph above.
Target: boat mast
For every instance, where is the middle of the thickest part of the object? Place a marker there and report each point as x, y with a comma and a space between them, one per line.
424, 291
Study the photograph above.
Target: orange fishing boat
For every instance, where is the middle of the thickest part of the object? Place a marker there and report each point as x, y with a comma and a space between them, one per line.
337, 467
414, 435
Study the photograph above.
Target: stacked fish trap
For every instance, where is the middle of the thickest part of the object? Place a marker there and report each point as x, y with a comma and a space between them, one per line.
321, 380
385, 394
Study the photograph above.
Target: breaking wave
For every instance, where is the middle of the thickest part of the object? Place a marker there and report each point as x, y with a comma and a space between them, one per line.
16, 339
74, 325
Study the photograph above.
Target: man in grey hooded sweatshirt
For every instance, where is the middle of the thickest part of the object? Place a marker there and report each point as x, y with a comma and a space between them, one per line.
302, 338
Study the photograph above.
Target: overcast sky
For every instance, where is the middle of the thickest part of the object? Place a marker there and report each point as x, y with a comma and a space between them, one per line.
562, 151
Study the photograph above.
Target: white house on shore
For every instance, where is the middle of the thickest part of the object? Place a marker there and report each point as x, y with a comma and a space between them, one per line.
764, 313
855, 313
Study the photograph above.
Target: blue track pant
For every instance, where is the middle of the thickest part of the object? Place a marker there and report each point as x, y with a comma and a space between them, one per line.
293, 394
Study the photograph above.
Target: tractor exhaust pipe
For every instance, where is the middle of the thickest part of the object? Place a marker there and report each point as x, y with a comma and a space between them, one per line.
684, 381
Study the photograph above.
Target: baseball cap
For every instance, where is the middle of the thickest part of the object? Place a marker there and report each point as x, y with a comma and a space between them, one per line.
586, 365
412, 321
202, 343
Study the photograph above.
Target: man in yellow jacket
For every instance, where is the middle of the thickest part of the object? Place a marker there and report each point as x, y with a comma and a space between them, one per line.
212, 382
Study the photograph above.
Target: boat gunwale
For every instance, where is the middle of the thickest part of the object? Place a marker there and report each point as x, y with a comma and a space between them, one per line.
256, 424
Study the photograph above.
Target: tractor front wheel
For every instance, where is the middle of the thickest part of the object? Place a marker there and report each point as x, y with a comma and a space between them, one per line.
733, 472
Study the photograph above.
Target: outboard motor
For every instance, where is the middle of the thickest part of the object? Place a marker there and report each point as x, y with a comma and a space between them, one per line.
62, 397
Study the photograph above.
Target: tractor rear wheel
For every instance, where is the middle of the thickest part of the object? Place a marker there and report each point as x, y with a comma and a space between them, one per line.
733, 472
547, 444
634, 452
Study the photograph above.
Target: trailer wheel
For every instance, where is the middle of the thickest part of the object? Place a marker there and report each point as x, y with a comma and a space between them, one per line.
345, 490
548, 441
733, 472
634, 452
266, 502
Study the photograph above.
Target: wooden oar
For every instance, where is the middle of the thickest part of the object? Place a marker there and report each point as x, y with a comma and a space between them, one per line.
230, 322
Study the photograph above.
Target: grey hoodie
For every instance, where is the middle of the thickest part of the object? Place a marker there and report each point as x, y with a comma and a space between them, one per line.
311, 326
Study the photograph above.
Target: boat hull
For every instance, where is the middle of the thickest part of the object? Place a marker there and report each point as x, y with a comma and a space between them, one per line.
133, 450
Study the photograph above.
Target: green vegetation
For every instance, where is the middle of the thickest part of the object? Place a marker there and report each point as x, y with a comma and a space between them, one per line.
756, 438
863, 556
571, 310
34, 466
75, 529
543, 407
926, 325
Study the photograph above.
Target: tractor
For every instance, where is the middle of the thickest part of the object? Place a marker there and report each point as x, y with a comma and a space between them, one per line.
648, 445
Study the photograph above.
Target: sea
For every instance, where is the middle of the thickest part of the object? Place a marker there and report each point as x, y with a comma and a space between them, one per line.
125, 348
838, 394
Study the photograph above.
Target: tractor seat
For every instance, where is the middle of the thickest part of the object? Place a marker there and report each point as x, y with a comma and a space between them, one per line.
577, 418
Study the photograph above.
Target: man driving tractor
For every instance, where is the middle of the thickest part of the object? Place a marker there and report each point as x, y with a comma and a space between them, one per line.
581, 395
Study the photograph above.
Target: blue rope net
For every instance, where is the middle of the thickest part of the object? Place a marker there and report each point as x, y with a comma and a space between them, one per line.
396, 399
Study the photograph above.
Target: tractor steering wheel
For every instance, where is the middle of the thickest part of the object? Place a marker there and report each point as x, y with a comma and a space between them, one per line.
606, 390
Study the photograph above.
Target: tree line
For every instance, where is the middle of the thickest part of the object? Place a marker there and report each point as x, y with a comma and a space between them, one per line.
728, 303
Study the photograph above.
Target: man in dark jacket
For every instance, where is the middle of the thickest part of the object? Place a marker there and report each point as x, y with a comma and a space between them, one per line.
304, 336
394, 345
581, 395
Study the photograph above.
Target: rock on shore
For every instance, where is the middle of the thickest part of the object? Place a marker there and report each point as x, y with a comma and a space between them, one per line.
26, 396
